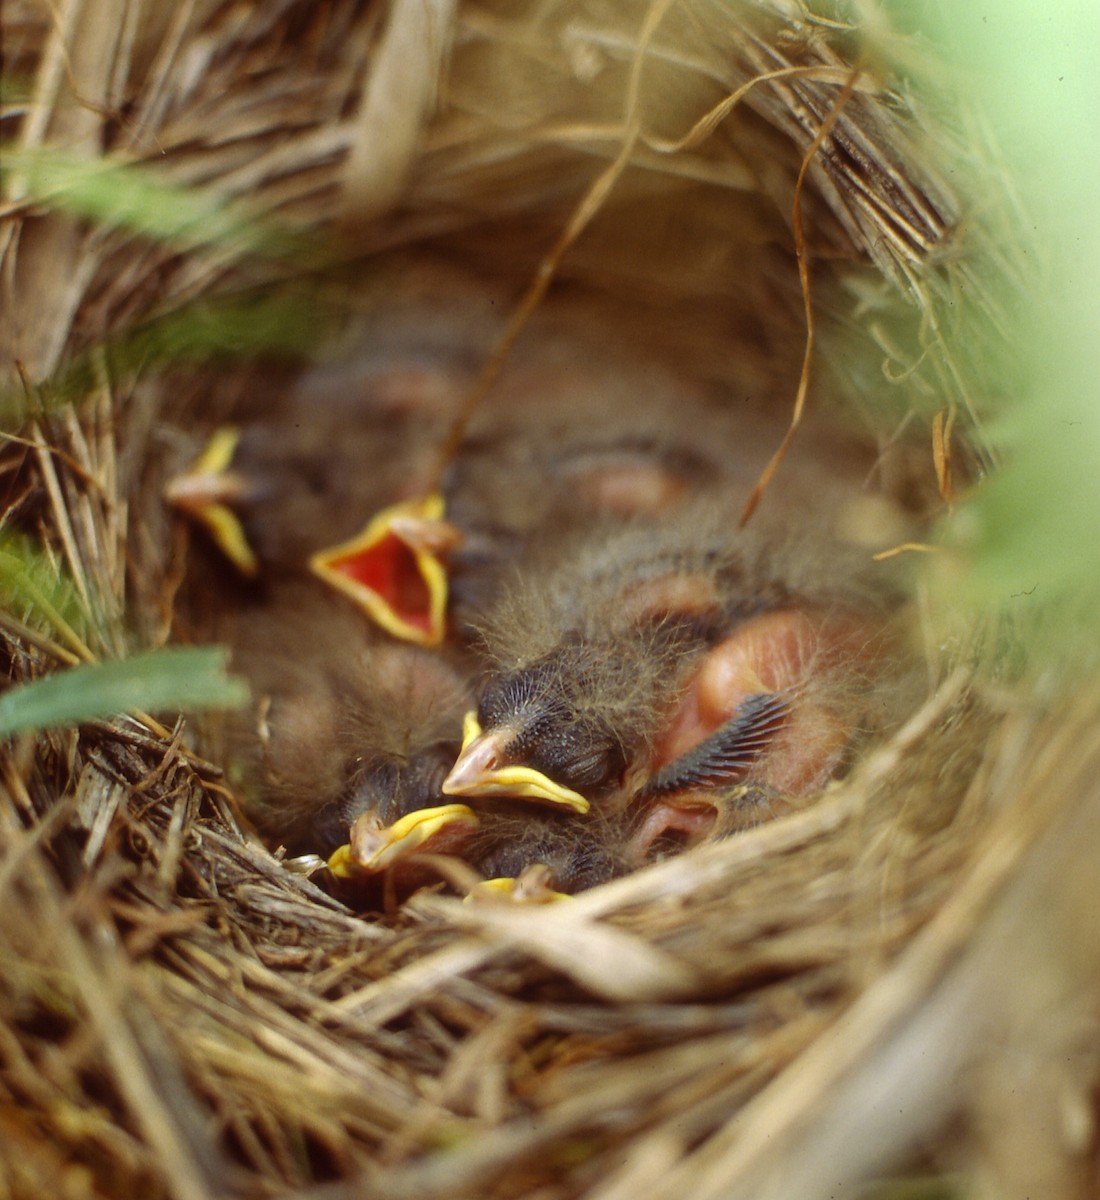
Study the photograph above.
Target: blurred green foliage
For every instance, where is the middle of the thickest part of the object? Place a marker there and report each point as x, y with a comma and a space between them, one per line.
281, 316
125, 196
34, 590
183, 679
285, 321
285, 314
1030, 536
918, 1187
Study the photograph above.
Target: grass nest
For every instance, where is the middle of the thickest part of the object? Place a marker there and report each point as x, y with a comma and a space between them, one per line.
891, 992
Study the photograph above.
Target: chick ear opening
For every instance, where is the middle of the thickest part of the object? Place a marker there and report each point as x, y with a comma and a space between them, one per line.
668, 820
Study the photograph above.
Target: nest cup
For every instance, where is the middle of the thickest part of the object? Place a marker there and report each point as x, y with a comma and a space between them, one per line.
892, 992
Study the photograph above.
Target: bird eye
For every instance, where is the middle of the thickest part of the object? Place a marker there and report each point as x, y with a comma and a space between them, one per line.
581, 755
548, 733
508, 700
422, 780
374, 785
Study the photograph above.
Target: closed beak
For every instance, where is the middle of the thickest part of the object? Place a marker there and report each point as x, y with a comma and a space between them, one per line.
478, 771
530, 887
373, 848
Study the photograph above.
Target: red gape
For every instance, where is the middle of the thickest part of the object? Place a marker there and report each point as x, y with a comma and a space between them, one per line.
389, 569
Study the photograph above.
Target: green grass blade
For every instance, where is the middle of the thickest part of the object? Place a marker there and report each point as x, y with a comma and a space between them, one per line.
287, 323
173, 679
130, 196
33, 586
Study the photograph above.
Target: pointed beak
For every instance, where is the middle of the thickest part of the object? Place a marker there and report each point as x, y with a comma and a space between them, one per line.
373, 848
393, 569
478, 771
532, 887
206, 491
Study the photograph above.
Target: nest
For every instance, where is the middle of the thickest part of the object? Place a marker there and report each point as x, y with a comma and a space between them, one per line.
892, 989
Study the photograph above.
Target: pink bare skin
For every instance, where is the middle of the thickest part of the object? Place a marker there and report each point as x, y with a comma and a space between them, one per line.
779, 651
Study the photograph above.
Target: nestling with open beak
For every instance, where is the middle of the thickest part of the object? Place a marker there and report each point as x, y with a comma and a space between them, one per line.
307, 462
652, 676
334, 472
659, 668
339, 471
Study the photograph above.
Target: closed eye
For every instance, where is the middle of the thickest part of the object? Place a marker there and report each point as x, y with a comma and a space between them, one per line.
582, 757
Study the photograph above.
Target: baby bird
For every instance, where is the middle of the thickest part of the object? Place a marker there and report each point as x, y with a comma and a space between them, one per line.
660, 668
348, 736
321, 456
652, 676
582, 430
338, 471
532, 851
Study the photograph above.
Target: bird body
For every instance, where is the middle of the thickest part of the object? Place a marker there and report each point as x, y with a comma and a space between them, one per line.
657, 669
646, 673
342, 720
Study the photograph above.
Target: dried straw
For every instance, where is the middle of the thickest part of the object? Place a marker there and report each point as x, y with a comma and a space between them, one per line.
850, 993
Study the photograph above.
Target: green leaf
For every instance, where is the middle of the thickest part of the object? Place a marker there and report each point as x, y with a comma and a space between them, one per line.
175, 679
32, 585
129, 196
1030, 536
287, 322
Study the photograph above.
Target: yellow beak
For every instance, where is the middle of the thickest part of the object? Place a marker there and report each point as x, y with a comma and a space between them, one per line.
529, 888
373, 848
205, 492
477, 772
392, 570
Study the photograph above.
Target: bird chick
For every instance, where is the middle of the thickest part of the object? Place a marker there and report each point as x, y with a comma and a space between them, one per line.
544, 850
662, 665
337, 469
349, 734
593, 421
322, 455
580, 431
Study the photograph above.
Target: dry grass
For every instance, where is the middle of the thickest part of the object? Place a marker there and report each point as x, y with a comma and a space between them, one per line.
900, 980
